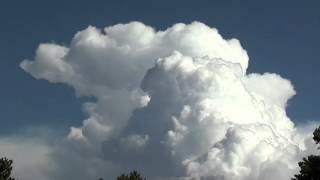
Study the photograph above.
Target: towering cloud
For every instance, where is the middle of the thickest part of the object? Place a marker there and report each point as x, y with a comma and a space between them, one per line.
175, 104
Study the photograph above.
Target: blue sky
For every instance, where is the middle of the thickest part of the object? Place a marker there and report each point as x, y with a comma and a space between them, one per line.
280, 36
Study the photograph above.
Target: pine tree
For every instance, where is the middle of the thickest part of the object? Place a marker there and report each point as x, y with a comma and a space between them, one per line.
5, 169
310, 166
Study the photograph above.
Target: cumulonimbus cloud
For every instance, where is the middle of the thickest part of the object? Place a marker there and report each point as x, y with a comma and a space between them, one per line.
175, 104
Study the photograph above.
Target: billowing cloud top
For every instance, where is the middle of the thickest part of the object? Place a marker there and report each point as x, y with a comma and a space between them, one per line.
175, 104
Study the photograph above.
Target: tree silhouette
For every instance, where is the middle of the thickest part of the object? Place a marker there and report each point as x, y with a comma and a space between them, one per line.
310, 166
5, 169
316, 135
134, 175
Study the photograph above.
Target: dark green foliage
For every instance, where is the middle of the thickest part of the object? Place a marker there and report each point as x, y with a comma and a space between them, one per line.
5, 169
310, 166
134, 175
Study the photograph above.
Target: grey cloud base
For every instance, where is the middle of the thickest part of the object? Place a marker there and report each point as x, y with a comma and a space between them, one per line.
175, 104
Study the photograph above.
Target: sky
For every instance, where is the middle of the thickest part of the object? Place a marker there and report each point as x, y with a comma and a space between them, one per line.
279, 37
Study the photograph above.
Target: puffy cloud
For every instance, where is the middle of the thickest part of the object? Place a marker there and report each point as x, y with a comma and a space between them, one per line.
110, 65
272, 87
175, 104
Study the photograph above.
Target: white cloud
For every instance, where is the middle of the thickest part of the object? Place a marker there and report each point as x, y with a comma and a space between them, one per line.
272, 87
174, 104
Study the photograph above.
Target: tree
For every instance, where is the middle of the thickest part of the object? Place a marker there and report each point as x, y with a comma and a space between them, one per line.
316, 135
134, 175
5, 169
310, 166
